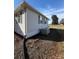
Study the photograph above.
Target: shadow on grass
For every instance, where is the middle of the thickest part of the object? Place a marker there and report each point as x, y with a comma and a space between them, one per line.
54, 35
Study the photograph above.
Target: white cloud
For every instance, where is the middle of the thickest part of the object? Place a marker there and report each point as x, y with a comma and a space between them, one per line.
52, 11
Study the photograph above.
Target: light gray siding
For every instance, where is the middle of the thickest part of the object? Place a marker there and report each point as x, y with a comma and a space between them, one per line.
29, 25
20, 27
32, 23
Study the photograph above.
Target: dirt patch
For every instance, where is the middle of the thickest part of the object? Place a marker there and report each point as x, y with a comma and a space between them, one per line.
18, 47
49, 46
44, 49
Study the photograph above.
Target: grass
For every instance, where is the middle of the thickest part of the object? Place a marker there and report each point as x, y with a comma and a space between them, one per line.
57, 26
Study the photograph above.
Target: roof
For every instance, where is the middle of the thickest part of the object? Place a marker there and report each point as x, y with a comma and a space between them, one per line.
24, 5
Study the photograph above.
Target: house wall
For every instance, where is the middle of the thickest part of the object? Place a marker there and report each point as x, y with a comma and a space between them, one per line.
29, 25
32, 23
41, 26
20, 27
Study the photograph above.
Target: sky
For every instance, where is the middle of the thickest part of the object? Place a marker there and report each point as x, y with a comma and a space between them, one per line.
46, 7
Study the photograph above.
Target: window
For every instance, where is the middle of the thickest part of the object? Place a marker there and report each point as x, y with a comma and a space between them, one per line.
19, 18
45, 21
39, 19
42, 20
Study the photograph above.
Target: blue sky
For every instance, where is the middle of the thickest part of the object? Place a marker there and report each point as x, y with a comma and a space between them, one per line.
47, 7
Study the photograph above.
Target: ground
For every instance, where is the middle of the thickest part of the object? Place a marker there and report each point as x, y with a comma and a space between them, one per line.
61, 26
49, 46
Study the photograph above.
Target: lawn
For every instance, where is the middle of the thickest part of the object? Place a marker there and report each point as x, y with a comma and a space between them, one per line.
61, 26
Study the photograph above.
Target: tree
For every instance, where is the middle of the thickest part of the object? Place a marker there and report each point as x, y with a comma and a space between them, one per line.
62, 21
54, 19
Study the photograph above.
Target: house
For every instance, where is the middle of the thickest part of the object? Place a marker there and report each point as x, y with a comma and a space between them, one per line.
28, 21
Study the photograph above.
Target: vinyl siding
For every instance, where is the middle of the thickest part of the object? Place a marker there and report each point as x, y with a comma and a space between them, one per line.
20, 27
33, 25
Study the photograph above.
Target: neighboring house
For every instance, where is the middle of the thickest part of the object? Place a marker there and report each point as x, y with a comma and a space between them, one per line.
28, 21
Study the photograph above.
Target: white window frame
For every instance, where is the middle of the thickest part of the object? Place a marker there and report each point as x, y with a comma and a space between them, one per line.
42, 20
19, 18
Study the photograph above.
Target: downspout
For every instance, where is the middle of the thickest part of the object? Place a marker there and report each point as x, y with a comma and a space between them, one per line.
25, 21
26, 56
